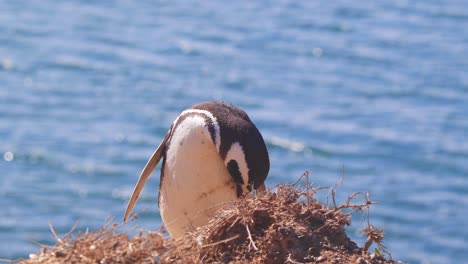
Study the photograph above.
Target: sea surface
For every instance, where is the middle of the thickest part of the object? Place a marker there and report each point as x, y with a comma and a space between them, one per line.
372, 91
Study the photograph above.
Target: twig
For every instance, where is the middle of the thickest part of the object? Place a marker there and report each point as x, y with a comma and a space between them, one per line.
376, 236
305, 174
333, 197
348, 204
59, 241
290, 260
250, 238
72, 229
221, 241
332, 190
324, 225
368, 211
39, 244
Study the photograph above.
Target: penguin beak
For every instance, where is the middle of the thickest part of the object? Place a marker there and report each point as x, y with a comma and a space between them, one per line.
144, 176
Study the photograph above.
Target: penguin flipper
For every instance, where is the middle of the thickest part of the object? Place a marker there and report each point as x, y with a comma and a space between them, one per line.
145, 174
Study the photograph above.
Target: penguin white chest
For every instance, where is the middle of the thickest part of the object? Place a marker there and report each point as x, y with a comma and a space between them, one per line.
196, 181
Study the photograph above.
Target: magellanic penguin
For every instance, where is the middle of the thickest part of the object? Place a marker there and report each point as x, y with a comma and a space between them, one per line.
211, 155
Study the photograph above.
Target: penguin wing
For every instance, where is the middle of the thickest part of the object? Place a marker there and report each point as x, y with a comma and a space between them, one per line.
145, 174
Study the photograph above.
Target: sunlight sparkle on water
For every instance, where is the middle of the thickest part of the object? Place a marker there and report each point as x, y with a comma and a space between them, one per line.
317, 52
8, 156
7, 64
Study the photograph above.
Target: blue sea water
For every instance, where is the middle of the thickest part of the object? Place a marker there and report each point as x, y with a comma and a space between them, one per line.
376, 91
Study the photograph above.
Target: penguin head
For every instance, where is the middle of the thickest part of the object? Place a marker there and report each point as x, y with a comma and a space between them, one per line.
240, 145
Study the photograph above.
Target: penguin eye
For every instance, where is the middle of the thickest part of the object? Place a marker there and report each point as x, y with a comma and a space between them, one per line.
236, 175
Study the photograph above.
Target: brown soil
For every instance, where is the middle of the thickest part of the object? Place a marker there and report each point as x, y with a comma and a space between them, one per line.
284, 226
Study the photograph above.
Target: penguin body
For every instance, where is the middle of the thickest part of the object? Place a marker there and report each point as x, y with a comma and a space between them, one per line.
212, 155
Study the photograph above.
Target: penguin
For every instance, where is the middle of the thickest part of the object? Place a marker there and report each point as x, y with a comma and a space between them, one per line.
211, 155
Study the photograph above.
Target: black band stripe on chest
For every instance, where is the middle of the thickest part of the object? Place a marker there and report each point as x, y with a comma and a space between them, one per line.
233, 169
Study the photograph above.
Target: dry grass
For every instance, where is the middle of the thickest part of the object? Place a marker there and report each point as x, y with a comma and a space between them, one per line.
283, 226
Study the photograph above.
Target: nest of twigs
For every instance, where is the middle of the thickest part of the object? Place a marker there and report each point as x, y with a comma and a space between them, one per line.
283, 226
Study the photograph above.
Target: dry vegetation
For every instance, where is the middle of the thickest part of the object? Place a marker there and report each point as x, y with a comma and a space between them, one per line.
284, 226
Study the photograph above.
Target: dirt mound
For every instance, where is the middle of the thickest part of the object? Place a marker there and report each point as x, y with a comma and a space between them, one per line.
284, 226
